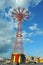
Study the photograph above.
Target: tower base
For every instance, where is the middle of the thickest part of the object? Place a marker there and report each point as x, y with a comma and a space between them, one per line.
18, 58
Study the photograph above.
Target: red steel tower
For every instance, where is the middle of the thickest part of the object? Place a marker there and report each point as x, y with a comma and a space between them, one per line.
19, 14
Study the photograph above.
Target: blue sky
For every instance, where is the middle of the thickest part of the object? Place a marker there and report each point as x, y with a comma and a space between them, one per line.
32, 29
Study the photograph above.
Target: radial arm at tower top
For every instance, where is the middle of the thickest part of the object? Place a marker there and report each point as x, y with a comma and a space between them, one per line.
19, 14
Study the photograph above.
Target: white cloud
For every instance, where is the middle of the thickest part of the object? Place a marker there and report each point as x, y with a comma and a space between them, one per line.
35, 30
33, 27
25, 35
30, 34
13, 23
18, 3
27, 3
28, 40
39, 32
7, 34
36, 2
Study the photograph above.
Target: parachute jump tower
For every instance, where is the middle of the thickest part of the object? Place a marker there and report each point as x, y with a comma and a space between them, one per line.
19, 14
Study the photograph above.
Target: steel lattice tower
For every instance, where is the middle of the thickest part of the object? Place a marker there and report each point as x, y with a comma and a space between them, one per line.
19, 14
